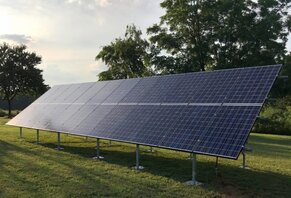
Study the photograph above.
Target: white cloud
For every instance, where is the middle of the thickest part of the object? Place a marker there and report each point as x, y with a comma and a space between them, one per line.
69, 33
17, 38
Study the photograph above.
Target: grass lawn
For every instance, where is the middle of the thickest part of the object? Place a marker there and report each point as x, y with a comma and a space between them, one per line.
30, 170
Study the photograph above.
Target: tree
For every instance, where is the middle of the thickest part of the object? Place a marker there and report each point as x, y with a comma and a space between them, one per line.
126, 57
184, 33
18, 74
282, 86
198, 34
250, 33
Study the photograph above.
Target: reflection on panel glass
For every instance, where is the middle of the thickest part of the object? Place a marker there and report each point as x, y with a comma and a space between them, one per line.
203, 112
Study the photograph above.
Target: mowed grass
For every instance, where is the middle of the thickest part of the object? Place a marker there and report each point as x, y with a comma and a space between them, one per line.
30, 170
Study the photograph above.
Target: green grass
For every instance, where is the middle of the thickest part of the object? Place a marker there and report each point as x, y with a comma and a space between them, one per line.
30, 170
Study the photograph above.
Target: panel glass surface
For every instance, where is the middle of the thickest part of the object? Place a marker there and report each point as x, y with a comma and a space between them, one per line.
92, 121
52, 91
226, 132
205, 112
140, 91
60, 90
106, 91
91, 92
122, 90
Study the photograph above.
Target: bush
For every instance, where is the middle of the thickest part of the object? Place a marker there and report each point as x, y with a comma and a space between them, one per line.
275, 118
2, 113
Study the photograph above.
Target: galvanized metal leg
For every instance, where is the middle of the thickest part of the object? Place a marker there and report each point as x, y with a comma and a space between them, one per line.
216, 166
20, 132
244, 160
137, 166
98, 150
244, 165
193, 181
190, 156
59, 142
37, 136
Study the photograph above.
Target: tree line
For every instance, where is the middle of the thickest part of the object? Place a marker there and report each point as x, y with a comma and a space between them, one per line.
19, 74
192, 35
199, 35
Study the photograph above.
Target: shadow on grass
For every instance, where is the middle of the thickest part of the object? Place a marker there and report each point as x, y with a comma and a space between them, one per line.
269, 146
31, 169
230, 178
271, 139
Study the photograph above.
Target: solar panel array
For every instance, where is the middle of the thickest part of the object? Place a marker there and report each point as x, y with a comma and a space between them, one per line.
205, 112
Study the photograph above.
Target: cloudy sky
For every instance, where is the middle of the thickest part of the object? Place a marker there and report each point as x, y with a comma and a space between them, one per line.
69, 33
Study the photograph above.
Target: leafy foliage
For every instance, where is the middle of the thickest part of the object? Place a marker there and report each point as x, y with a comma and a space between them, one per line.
217, 34
18, 74
127, 57
275, 118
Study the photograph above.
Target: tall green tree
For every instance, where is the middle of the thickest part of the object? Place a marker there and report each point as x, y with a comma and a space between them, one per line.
126, 57
18, 74
183, 36
198, 34
250, 33
282, 86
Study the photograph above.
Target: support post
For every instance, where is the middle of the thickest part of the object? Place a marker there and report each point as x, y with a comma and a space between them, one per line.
37, 136
216, 166
20, 132
109, 143
59, 142
244, 164
193, 182
97, 157
190, 156
137, 166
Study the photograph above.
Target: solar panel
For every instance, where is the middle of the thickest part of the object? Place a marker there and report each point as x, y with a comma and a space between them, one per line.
209, 113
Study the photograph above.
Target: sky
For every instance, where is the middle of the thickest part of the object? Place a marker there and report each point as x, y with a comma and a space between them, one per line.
68, 34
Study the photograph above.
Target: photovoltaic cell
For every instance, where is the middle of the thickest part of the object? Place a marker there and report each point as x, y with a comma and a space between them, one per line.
122, 91
91, 92
106, 91
210, 113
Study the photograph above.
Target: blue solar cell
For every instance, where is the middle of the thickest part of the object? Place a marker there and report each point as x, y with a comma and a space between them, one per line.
188, 123
91, 92
114, 121
87, 126
204, 112
227, 128
50, 93
122, 91
106, 91
141, 90
79, 91
73, 122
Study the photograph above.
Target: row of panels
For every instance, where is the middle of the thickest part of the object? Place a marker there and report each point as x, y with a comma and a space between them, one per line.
249, 85
215, 130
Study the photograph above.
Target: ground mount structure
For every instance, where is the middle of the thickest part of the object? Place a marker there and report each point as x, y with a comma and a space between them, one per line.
208, 113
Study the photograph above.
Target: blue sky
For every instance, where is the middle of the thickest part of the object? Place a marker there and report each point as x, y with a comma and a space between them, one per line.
69, 33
